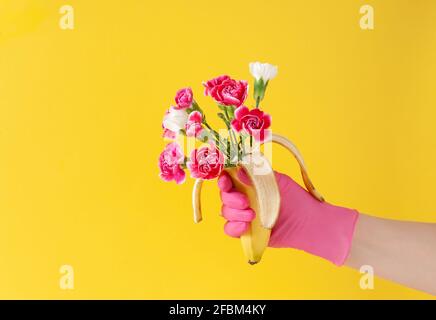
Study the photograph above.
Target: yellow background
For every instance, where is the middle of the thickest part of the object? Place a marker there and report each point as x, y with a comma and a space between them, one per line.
80, 117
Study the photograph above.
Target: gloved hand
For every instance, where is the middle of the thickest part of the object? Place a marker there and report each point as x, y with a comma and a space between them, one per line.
304, 223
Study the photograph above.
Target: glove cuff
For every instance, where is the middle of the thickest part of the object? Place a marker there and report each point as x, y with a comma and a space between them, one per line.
330, 232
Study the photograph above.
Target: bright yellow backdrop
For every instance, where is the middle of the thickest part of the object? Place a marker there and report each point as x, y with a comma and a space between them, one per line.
80, 117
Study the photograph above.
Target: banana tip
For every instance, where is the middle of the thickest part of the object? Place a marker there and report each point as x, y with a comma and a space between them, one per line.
251, 262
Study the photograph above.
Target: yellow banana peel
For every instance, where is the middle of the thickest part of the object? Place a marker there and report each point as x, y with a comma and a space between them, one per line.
263, 194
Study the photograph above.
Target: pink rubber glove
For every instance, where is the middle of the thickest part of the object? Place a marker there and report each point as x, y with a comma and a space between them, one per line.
304, 223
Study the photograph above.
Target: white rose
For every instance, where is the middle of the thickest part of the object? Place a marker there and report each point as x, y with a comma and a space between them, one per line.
175, 120
263, 71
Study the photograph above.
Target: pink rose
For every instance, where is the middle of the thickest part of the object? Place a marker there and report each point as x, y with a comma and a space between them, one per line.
254, 122
170, 161
168, 134
209, 85
184, 98
206, 163
227, 91
194, 124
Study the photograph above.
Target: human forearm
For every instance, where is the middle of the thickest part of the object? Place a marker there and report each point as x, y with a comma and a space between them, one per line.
404, 252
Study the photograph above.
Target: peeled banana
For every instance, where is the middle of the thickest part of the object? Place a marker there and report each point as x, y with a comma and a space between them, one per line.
263, 194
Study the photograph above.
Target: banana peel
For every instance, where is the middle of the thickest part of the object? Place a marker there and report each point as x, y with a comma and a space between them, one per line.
263, 194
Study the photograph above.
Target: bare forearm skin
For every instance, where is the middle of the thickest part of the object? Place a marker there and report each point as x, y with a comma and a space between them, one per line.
404, 252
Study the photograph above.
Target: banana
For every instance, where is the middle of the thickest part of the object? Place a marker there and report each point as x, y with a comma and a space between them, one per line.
264, 198
280, 140
196, 200
263, 194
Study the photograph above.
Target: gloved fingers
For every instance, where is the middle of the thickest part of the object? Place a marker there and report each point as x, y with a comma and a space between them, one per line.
235, 229
225, 182
235, 199
232, 214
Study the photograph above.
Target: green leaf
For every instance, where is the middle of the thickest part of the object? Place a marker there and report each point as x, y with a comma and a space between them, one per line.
222, 107
232, 112
259, 89
223, 117
195, 105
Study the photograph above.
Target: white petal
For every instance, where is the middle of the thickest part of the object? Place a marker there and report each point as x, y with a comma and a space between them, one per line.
272, 72
255, 70
175, 120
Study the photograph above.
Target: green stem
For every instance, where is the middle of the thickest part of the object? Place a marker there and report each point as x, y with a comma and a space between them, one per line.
228, 152
210, 128
231, 133
221, 146
218, 142
242, 144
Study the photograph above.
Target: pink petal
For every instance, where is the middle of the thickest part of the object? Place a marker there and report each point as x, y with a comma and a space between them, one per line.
245, 86
179, 176
199, 132
190, 130
236, 125
266, 121
195, 116
241, 112
230, 100
261, 135
169, 134
165, 177
257, 112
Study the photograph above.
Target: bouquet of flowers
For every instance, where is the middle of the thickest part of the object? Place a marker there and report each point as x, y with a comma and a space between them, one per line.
235, 146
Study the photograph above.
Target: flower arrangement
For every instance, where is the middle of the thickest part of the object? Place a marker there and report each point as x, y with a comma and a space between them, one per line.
235, 147
244, 127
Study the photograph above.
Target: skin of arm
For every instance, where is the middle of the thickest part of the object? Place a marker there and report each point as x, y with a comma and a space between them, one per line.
400, 251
